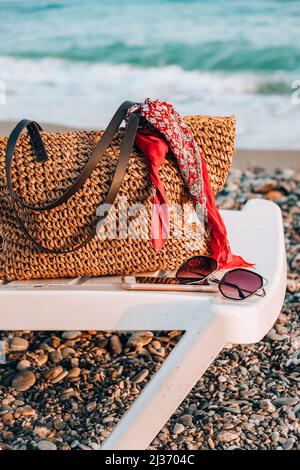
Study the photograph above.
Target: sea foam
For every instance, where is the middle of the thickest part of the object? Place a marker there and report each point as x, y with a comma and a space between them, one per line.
82, 94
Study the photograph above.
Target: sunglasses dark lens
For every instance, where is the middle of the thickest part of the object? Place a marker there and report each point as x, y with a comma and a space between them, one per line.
240, 284
196, 268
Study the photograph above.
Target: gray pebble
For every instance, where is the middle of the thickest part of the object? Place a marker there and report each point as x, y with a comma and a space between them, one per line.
275, 437
140, 376
115, 345
70, 335
267, 406
186, 420
289, 444
23, 381
46, 445
108, 419
59, 377
23, 365
227, 436
55, 357
288, 401
273, 336
17, 344
68, 352
140, 338
178, 428
53, 373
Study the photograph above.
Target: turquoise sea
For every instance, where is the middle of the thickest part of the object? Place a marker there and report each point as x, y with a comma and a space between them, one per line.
72, 62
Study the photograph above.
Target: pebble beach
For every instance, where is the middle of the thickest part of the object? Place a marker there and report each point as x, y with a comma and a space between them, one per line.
67, 390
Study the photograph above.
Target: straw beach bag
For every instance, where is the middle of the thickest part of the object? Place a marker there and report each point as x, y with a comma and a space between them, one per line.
51, 185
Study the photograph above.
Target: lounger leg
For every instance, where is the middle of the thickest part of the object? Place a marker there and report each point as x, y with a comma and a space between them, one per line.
169, 386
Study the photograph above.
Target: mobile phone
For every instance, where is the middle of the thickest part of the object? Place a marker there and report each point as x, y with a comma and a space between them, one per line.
148, 283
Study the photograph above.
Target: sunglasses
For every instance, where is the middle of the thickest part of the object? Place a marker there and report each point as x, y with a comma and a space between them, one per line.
237, 284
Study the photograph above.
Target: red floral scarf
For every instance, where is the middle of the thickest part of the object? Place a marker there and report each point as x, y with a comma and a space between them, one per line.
170, 132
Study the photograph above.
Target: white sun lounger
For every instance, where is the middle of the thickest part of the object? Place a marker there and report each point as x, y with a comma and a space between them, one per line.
209, 320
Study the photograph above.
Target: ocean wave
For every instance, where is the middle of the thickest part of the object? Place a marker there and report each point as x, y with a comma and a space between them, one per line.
222, 56
17, 73
85, 95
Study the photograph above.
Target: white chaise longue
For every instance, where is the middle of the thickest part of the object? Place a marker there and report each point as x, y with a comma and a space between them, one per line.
210, 321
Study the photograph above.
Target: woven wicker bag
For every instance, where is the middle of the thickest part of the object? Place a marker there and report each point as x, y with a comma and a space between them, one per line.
52, 183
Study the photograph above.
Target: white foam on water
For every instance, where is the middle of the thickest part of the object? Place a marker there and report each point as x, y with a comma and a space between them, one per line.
82, 94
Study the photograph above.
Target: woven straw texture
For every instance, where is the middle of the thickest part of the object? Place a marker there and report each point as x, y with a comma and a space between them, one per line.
70, 223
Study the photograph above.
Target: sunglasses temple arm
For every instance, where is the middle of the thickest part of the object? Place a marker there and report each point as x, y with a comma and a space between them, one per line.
261, 292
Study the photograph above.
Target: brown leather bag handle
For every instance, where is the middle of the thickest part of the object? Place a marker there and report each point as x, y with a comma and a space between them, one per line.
33, 129
125, 151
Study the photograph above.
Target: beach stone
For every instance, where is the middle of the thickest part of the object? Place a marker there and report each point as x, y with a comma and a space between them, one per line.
4, 446
59, 377
267, 405
70, 335
59, 424
95, 446
275, 437
108, 419
53, 373
70, 393
115, 345
232, 409
186, 420
74, 362
91, 406
282, 318
273, 336
229, 203
227, 436
293, 286
24, 381
228, 426
41, 431
7, 417
289, 444
55, 341
27, 411
264, 185
296, 262
178, 428
7, 401
55, 357
68, 352
17, 344
280, 329
23, 365
222, 379
140, 376
42, 359
285, 401
211, 443
156, 344
5, 409
274, 195
74, 373
46, 445
140, 338
174, 333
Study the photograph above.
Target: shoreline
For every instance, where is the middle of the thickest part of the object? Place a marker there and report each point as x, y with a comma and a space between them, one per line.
245, 158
